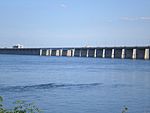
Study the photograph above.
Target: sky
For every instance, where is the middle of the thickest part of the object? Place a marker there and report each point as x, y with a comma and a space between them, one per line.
74, 23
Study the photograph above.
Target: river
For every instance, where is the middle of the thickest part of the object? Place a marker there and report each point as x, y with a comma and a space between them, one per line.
76, 85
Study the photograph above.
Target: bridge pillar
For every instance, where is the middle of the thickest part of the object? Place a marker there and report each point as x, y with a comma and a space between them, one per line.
60, 52
72, 52
123, 54
113, 53
69, 52
50, 52
95, 50
47, 52
104, 53
147, 54
134, 54
57, 52
80, 53
40, 52
87, 53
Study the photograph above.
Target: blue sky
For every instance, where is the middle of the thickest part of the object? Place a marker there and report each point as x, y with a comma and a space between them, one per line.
65, 23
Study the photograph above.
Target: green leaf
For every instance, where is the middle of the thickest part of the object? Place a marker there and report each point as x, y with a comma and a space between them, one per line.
1, 99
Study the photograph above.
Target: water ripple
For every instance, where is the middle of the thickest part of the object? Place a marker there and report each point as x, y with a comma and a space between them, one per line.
46, 86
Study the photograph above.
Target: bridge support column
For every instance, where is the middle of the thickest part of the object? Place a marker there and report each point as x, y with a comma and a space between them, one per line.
103, 53
69, 52
113, 52
50, 52
95, 53
147, 53
47, 52
123, 54
87, 52
57, 52
134, 54
80, 53
40, 52
72, 52
60, 52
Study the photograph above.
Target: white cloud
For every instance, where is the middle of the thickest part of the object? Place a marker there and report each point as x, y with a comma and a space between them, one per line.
144, 18
63, 5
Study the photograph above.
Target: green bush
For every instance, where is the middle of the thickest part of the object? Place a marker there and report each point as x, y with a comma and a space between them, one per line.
19, 107
125, 109
23, 107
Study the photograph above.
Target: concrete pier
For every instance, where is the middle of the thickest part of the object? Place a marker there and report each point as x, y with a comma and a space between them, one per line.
95, 52
58, 52
72, 52
69, 53
50, 52
147, 54
123, 54
134, 54
40, 52
113, 53
87, 53
104, 51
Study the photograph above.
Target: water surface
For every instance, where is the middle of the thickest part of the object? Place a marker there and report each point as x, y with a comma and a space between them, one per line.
76, 85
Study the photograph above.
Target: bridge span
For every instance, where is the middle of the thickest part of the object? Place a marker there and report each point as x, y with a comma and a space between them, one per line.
95, 52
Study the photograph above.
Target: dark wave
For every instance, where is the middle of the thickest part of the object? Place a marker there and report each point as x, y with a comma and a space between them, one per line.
121, 85
46, 86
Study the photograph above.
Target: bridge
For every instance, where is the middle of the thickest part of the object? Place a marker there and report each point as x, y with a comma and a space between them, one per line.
95, 52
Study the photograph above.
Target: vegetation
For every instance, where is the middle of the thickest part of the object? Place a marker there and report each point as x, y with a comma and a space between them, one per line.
19, 107
23, 107
125, 109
